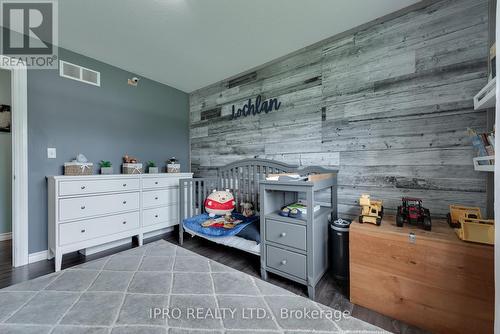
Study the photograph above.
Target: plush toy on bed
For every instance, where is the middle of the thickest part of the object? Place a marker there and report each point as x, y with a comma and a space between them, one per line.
247, 209
220, 203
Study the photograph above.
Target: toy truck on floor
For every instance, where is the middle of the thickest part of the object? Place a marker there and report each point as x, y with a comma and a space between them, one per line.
458, 212
372, 211
412, 212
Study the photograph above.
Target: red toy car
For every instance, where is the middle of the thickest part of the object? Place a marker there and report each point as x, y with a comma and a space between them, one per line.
412, 212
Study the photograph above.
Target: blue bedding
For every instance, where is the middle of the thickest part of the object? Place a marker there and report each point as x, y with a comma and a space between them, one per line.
194, 224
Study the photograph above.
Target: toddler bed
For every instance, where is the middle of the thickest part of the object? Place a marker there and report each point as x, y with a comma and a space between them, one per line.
242, 179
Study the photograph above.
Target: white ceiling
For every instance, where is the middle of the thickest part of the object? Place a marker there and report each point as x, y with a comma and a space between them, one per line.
189, 44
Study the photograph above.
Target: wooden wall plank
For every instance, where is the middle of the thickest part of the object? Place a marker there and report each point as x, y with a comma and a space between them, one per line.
389, 105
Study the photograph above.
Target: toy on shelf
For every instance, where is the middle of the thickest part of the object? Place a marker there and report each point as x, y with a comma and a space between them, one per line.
219, 203
458, 212
412, 212
476, 230
372, 211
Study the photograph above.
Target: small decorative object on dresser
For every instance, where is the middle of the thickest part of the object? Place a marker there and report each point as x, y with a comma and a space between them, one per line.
79, 166
106, 167
131, 165
173, 166
88, 211
152, 168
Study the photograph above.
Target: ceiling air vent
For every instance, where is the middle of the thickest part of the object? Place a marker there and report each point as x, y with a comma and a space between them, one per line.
79, 73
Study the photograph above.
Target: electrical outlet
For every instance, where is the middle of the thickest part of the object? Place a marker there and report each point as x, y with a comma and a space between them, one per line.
51, 153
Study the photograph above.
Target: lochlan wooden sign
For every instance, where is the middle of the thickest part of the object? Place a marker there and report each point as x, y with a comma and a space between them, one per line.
256, 108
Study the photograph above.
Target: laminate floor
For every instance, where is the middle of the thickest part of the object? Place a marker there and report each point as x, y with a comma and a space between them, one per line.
328, 291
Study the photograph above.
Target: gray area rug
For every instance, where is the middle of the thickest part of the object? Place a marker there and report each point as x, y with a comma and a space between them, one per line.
161, 288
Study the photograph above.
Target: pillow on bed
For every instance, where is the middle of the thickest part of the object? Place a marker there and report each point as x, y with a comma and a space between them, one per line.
251, 232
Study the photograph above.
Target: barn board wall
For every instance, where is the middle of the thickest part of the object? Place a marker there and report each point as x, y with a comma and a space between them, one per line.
389, 104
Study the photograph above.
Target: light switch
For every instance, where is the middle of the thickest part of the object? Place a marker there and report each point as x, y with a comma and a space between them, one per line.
51, 153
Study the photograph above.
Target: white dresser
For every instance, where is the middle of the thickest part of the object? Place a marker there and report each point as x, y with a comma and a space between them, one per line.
87, 211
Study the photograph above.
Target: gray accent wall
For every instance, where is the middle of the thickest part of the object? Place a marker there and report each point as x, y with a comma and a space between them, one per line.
5, 160
149, 121
388, 102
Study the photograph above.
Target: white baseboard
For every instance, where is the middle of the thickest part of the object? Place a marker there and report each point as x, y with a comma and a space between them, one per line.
5, 236
39, 256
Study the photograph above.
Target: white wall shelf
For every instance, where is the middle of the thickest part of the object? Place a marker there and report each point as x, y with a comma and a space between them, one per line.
484, 168
486, 98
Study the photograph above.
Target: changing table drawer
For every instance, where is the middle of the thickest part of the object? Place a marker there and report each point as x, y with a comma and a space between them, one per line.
68, 188
287, 234
83, 207
98, 227
160, 215
164, 197
286, 261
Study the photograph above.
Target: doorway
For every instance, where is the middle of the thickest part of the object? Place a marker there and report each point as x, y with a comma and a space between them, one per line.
19, 158
5, 168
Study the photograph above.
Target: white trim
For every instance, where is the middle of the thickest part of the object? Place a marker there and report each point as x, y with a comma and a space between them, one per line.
5, 236
39, 256
19, 86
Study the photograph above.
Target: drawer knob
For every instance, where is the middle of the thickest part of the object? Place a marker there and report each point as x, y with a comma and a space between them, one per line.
283, 262
83, 231
156, 182
124, 184
156, 198
283, 234
124, 223
83, 187
156, 216
124, 202
82, 207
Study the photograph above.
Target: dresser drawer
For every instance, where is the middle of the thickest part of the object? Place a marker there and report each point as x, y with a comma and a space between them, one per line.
82, 207
159, 215
98, 227
159, 182
287, 234
68, 188
286, 261
160, 197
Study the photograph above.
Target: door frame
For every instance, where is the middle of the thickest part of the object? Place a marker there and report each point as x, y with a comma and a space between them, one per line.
19, 126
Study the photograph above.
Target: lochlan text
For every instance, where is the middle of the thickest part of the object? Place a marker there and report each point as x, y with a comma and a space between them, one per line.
256, 108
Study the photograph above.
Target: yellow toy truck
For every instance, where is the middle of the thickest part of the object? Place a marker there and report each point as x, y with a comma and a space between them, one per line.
457, 212
470, 226
372, 211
